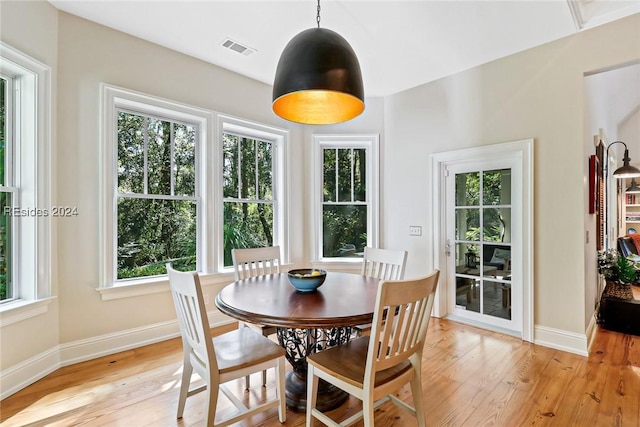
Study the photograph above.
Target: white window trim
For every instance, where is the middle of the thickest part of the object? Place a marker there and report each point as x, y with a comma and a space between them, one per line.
280, 139
114, 97
212, 125
33, 154
371, 142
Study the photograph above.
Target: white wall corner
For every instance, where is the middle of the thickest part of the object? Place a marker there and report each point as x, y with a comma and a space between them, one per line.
592, 328
561, 340
17, 377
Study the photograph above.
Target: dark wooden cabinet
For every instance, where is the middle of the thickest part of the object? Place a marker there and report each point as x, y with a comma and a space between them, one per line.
619, 311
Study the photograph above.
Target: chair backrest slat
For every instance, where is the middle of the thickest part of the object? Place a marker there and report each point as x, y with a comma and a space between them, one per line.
192, 319
384, 264
254, 262
400, 321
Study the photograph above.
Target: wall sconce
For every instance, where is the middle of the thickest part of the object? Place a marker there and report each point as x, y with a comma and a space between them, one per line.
624, 171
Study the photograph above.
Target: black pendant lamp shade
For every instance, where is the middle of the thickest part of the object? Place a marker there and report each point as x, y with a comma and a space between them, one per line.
318, 79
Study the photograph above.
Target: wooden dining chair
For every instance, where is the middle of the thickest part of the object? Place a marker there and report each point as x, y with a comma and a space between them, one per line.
383, 264
373, 367
252, 262
221, 359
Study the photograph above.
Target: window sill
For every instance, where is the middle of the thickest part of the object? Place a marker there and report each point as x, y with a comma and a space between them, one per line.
353, 265
18, 311
155, 285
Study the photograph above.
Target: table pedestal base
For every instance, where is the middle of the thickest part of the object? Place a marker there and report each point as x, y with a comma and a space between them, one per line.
299, 343
329, 396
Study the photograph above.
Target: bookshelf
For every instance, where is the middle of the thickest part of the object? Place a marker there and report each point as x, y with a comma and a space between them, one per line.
631, 217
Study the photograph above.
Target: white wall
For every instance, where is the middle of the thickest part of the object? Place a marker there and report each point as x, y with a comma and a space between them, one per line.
534, 94
90, 54
32, 28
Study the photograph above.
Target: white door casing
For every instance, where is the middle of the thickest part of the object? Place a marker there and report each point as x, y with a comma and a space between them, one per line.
518, 155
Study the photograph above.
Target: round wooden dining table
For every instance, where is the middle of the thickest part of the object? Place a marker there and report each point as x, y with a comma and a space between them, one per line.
306, 322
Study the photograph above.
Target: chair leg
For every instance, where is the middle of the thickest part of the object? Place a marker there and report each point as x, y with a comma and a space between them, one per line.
187, 370
282, 408
264, 373
416, 391
212, 403
312, 393
247, 382
367, 410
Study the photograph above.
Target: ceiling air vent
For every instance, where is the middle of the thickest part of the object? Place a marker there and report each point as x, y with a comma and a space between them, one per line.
237, 47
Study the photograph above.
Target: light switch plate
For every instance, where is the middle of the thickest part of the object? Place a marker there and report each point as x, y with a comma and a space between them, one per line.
415, 230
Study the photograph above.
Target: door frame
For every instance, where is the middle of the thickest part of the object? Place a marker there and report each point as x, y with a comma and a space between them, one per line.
522, 152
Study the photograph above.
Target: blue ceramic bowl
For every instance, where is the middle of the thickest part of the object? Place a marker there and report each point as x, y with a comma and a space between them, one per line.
305, 280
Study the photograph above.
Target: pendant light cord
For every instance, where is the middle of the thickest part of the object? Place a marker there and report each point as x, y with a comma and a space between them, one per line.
318, 15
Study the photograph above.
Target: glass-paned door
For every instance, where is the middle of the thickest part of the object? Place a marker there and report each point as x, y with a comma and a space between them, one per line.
480, 245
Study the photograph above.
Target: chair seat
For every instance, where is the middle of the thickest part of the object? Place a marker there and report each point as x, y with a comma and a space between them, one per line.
347, 362
243, 347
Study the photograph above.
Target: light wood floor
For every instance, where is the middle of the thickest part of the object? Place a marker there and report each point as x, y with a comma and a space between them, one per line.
471, 377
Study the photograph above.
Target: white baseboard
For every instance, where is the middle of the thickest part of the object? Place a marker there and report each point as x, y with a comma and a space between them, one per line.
561, 340
19, 376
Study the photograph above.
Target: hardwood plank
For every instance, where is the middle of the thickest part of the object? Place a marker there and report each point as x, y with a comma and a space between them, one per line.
471, 377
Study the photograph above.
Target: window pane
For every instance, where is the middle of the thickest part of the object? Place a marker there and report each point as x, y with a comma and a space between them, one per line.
130, 153
467, 189
184, 152
247, 168
246, 160
360, 175
153, 232
468, 224
467, 258
345, 164
496, 186
329, 173
497, 299
3, 128
6, 289
265, 170
246, 225
159, 156
495, 224
344, 230
230, 165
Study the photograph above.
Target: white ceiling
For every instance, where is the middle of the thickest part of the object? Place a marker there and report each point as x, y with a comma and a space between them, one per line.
400, 44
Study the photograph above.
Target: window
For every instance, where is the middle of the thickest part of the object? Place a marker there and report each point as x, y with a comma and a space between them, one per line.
253, 187
8, 190
346, 194
157, 203
154, 191
175, 190
25, 210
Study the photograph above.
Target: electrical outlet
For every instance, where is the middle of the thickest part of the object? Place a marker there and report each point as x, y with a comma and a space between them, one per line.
415, 230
